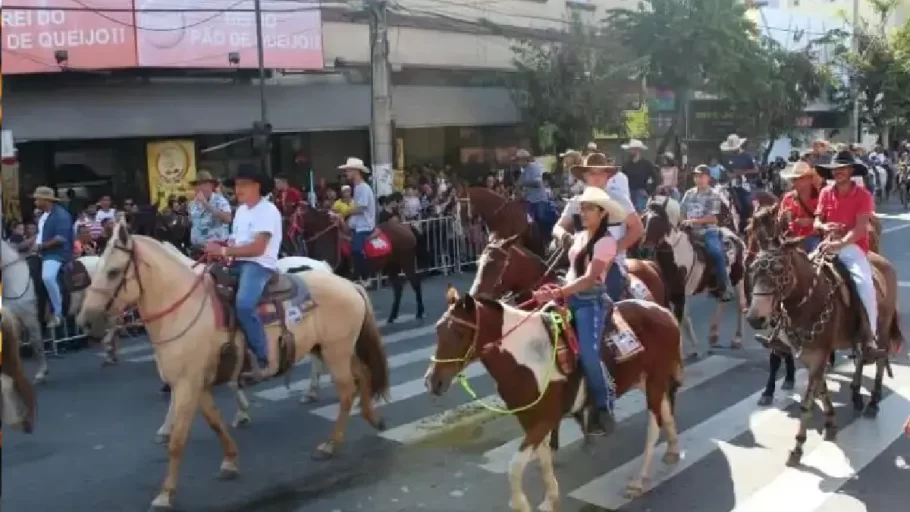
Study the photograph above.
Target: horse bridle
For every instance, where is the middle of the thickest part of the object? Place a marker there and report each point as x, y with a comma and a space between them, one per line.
132, 263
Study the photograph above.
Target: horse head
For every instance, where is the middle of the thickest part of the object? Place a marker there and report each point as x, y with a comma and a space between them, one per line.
462, 332
494, 276
780, 272
660, 219
115, 283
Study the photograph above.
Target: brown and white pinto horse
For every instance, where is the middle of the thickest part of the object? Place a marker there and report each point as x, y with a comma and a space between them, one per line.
517, 350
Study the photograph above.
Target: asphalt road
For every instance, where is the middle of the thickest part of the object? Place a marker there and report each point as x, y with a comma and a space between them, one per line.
94, 447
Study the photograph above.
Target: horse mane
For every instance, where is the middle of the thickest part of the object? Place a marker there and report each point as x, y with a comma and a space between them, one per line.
173, 255
484, 191
176, 252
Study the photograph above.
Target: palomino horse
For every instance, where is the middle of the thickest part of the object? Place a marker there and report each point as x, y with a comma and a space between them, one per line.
327, 239
517, 350
661, 226
505, 218
20, 297
812, 302
18, 394
196, 347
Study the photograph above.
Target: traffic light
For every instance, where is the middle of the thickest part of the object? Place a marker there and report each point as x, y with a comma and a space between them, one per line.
261, 134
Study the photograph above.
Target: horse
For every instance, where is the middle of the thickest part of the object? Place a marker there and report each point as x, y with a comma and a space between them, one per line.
812, 303
505, 218
18, 395
517, 350
661, 226
198, 346
20, 297
327, 241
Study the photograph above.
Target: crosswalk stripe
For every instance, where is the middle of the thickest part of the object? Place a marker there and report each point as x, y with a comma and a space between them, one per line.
398, 393
831, 465
607, 491
903, 284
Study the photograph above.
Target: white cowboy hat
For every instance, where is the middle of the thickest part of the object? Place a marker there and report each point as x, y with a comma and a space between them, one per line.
355, 163
732, 143
796, 170
634, 144
592, 146
523, 154
597, 196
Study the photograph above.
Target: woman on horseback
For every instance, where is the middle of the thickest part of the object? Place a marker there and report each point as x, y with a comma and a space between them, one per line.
591, 254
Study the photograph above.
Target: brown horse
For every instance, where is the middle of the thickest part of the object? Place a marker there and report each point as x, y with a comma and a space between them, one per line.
504, 218
517, 350
812, 302
18, 394
325, 238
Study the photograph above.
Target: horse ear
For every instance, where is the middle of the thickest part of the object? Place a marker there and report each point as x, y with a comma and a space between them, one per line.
452, 294
122, 234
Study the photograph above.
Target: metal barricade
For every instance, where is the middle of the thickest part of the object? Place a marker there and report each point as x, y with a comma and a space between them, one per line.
444, 245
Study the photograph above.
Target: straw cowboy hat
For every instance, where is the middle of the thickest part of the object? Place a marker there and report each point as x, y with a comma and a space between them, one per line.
355, 163
597, 162
203, 177
252, 173
796, 170
592, 146
597, 196
633, 145
843, 159
46, 193
732, 143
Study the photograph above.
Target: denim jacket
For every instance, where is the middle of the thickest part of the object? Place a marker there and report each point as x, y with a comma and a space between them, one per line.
59, 223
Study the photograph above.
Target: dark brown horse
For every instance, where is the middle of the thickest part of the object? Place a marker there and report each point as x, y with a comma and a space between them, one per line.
812, 301
504, 217
517, 350
325, 239
18, 394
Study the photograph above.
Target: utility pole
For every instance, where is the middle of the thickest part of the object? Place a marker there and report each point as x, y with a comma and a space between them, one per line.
381, 135
262, 130
855, 121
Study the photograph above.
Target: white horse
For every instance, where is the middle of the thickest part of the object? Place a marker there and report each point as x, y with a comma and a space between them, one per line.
20, 296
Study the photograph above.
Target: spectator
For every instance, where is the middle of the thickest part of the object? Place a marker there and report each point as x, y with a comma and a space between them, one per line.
411, 204
17, 234
105, 210
210, 212
286, 197
718, 173
84, 245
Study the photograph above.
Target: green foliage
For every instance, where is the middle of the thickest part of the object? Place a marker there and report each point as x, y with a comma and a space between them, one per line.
563, 88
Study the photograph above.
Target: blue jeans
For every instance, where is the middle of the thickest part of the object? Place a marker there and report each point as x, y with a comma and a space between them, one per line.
714, 246
589, 315
252, 282
50, 269
616, 283
358, 257
542, 215
743, 199
640, 199
810, 243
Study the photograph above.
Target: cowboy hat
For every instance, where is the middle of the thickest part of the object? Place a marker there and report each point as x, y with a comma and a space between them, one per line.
843, 159
796, 170
597, 196
251, 172
592, 146
203, 177
732, 143
634, 144
46, 193
522, 154
593, 162
355, 163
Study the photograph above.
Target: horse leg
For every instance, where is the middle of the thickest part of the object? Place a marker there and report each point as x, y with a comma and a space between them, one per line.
36, 339
693, 339
871, 410
345, 386
636, 486
110, 343
550, 484
185, 401
805, 409
397, 288
414, 279
519, 501
714, 332
243, 406
856, 386
213, 417
774, 360
668, 419
554, 439
316, 371
367, 408
830, 424
737, 341
163, 436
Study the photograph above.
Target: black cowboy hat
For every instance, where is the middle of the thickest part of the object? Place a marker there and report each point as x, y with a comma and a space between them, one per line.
842, 159
252, 173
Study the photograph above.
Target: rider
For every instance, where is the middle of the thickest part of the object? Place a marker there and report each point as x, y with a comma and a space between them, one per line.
801, 202
743, 167
642, 174
591, 254
700, 207
362, 217
55, 244
256, 237
210, 212
843, 214
535, 193
599, 171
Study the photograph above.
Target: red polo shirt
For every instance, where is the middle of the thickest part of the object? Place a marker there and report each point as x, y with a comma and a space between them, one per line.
845, 208
791, 205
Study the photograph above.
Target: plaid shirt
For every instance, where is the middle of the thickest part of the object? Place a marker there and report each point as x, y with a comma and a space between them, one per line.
697, 204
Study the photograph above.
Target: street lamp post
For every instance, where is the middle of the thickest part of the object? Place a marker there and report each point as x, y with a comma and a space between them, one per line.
262, 130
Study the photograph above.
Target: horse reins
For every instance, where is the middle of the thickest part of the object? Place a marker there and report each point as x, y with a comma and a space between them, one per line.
28, 284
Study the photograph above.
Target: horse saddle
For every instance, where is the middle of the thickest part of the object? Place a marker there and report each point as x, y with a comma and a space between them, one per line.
280, 287
76, 277
841, 279
710, 280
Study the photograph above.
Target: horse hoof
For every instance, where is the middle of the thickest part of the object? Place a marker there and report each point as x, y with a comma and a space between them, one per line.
692, 357
671, 458
228, 471
858, 405
788, 385
521, 506
765, 400
391, 320
420, 315
162, 438
323, 452
633, 491
794, 459
871, 411
831, 434
548, 506
41, 377
380, 425
162, 503
736, 344
309, 398
241, 420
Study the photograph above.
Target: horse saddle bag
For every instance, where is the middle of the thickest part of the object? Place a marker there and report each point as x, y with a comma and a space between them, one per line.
279, 288
76, 277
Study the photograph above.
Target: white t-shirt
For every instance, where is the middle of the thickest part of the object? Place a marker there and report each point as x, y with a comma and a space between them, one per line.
262, 218
618, 190
101, 215
41, 220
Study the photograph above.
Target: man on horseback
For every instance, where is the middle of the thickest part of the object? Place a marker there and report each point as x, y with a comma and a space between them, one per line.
534, 190
362, 217
800, 203
256, 239
843, 214
745, 173
700, 208
599, 171
591, 255
55, 244
641, 173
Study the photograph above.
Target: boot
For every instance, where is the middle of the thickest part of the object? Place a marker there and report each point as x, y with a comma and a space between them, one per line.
872, 352
725, 293
601, 422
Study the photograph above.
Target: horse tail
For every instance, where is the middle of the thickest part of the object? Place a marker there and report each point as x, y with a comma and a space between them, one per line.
370, 351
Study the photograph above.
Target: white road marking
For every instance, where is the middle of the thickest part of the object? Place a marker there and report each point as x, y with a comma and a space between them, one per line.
895, 228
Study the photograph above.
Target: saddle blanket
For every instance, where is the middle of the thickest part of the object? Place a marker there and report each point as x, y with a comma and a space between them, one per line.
622, 342
295, 309
376, 247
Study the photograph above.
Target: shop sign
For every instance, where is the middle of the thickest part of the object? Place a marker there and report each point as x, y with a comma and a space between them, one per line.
38, 40
171, 168
222, 34
713, 119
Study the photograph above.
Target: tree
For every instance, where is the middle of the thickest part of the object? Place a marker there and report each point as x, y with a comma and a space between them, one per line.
563, 87
688, 45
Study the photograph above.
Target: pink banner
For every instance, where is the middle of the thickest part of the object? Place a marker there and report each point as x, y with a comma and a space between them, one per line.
292, 34
92, 39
